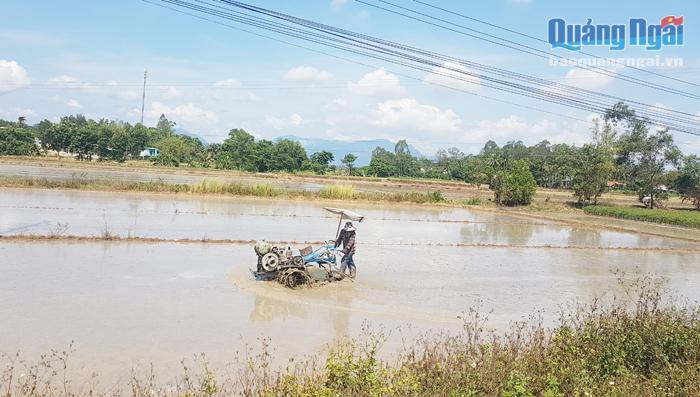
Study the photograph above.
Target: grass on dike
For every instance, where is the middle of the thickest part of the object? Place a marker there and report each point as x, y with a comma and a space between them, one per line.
333, 192
672, 217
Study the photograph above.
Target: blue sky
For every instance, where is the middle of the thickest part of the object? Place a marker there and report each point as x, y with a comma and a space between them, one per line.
88, 57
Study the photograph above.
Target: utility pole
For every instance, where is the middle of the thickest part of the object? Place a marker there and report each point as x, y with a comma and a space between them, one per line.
143, 97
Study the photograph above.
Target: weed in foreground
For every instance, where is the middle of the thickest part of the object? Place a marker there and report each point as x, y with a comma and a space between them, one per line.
639, 343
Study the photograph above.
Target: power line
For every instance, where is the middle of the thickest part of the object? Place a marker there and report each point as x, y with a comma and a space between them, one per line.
523, 48
389, 51
461, 15
361, 63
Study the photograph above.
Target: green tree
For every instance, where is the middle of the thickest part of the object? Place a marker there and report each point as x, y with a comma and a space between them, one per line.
349, 162
643, 154
59, 136
402, 147
17, 141
594, 166
178, 149
238, 152
164, 128
514, 185
83, 140
405, 163
288, 155
688, 182
323, 158
489, 147
262, 156
452, 162
319, 162
119, 141
383, 163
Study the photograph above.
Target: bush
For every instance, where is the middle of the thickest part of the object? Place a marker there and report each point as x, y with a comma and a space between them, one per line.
17, 141
515, 186
671, 217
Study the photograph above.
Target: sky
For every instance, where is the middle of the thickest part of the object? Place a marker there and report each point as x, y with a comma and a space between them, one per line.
88, 57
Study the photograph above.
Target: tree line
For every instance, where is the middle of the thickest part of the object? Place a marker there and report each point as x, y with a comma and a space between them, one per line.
625, 151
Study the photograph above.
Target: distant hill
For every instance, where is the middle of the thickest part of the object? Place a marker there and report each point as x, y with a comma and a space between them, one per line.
182, 131
361, 149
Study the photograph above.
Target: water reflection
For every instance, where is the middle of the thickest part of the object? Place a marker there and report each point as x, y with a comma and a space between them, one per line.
498, 233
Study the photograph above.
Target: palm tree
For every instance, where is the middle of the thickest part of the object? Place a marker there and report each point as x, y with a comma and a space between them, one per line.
22, 121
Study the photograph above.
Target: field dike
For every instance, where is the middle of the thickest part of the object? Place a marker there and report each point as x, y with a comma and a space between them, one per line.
209, 187
111, 238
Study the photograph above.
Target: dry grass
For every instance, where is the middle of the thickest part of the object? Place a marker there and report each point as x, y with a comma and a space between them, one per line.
330, 192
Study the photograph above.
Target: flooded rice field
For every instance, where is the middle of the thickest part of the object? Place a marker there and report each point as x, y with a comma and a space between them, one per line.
127, 302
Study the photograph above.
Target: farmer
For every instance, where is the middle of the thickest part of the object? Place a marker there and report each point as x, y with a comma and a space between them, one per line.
347, 238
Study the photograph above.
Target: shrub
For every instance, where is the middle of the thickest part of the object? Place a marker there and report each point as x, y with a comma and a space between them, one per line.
514, 186
17, 141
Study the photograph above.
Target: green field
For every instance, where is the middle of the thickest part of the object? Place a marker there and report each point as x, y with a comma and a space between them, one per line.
687, 218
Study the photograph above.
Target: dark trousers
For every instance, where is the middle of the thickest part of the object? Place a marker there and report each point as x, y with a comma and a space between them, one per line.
349, 263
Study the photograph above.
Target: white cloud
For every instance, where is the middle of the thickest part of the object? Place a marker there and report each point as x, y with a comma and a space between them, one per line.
307, 73
253, 97
14, 113
73, 103
377, 83
588, 79
168, 92
337, 3
187, 112
12, 76
408, 113
293, 120
228, 83
64, 80
336, 104
130, 95
55, 98
513, 128
452, 74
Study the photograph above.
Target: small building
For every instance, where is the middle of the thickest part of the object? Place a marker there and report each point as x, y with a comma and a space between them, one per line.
149, 152
616, 184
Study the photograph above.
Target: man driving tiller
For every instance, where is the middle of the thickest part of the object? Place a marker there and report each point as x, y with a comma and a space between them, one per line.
347, 238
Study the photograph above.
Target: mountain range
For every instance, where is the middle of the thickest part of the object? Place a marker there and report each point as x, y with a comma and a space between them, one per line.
362, 149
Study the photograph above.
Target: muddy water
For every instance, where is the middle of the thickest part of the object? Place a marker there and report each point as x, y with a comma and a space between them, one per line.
192, 217
127, 303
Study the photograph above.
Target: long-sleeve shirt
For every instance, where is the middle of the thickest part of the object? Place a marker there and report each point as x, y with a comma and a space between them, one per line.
348, 241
